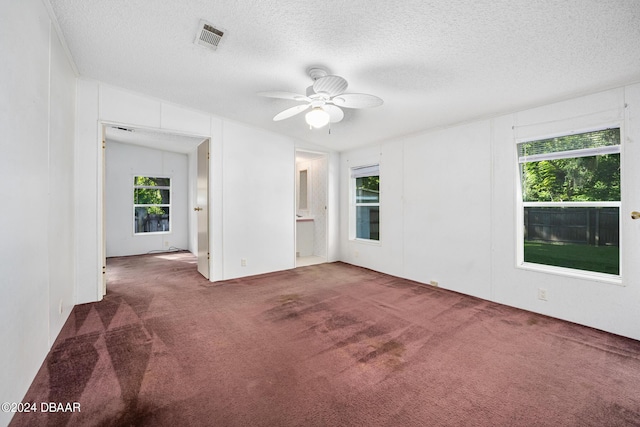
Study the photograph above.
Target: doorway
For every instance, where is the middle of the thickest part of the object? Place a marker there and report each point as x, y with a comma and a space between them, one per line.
134, 161
311, 218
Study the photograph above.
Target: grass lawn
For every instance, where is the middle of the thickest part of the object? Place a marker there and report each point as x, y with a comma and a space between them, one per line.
603, 259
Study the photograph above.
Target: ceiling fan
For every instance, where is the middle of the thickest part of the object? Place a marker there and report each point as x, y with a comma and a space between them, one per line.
324, 98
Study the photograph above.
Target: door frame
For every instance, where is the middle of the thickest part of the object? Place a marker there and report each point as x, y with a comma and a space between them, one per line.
326, 157
102, 168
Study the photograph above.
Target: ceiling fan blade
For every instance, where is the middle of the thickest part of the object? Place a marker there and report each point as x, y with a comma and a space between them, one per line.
284, 95
335, 114
331, 85
290, 112
356, 100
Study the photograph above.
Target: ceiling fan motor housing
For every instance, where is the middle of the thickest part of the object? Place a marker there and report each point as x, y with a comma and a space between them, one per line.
316, 73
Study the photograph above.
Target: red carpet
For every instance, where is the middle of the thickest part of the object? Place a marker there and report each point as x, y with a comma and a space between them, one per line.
325, 345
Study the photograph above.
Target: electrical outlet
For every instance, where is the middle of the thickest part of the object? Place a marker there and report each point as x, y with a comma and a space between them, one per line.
356, 254
243, 262
542, 294
433, 283
166, 243
60, 307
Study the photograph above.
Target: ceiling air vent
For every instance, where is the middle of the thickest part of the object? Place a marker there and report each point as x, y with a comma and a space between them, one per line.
208, 36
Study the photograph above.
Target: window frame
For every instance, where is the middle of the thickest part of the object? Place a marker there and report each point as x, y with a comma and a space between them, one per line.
160, 205
521, 204
355, 205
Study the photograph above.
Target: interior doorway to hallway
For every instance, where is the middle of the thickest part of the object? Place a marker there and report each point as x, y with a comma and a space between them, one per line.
155, 193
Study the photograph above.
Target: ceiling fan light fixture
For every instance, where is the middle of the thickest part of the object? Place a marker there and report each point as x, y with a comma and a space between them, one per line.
317, 118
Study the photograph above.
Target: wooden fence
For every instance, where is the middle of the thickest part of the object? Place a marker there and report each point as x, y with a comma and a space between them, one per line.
589, 225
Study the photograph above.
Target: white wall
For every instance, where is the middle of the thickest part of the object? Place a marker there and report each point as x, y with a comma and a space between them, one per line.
607, 306
62, 98
251, 199
123, 162
334, 177
99, 104
37, 84
258, 202
449, 212
385, 255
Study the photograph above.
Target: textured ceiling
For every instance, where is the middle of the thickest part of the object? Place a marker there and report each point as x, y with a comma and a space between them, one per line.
433, 62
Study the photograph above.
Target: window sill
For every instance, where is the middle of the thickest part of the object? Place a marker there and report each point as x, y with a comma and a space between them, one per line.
152, 233
570, 272
366, 241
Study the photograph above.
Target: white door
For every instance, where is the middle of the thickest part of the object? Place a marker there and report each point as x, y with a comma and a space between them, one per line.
202, 208
104, 211
631, 196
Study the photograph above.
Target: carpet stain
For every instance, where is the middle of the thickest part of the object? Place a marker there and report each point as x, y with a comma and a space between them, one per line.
512, 322
392, 347
394, 364
420, 290
289, 298
291, 306
369, 332
340, 321
467, 302
287, 307
610, 414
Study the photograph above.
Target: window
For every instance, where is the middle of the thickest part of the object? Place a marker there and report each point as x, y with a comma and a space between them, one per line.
366, 181
151, 204
571, 201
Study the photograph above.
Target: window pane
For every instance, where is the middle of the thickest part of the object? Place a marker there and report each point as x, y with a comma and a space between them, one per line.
601, 138
368, 222
594, 178
368, 189
151, 219
151, 181
150, 196
584, 238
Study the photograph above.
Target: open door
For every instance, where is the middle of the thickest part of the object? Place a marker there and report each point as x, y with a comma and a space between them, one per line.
103, 162
202, 208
